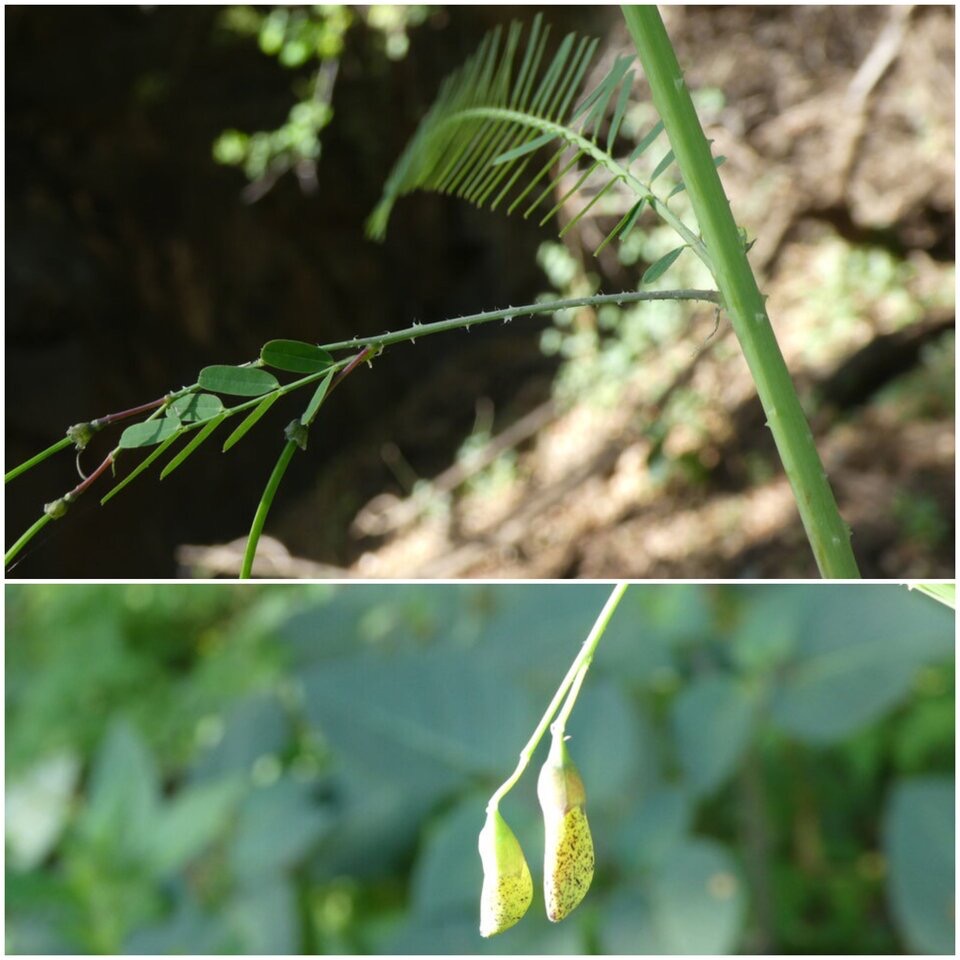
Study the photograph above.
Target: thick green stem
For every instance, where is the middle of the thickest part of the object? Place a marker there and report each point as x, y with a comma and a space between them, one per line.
828, 534
575, 674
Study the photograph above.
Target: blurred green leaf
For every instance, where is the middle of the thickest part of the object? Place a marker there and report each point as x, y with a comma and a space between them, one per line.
148, 432
448, 874
694, 905
919, 839
276, 827
254, 727
295, 356
858, 652
237, 381
265, 917
712, 721
190, 822
654, 827
187, 930
123, 798
439, 715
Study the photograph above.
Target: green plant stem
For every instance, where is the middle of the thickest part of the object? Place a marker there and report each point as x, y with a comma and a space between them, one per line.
39, 458
25, 538
283, 461
548, 306
263, 507
574, 678
828, 534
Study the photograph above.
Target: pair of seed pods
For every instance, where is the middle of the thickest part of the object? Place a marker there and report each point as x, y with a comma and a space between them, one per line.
568, 851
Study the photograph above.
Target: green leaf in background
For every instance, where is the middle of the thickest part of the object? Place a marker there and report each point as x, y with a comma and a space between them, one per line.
195, 442
237, 381
610, 741
276, 827
918, 840
377, 819
768, 629
448, 875
656, 270
857, 655
712, 719
186, 930
266, 917
694, 905
250, 420
435, 717
190, 822
149, 432
654, 826
123, 797
254, 727
196, 406
295, 356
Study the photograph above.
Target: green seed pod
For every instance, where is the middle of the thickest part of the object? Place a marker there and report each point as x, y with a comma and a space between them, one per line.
568, 848
507, 884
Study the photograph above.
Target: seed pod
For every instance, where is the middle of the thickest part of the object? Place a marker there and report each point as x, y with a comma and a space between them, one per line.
568, 847
507, 884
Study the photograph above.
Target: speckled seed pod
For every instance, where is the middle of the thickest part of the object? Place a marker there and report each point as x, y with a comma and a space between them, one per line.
507, 884
568, 848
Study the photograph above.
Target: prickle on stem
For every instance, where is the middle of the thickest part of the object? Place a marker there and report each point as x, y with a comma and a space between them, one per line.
507, 885
568, 850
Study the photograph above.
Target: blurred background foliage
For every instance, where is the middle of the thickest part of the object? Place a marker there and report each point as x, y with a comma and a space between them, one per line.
304, 769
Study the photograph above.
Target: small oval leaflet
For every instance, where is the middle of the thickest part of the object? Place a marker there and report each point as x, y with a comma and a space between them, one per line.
295, 356
149, 432
196, 406
658, 269
237, 381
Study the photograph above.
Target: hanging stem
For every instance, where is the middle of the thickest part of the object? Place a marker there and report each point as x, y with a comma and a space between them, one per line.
263, 507
575, 677
828, 534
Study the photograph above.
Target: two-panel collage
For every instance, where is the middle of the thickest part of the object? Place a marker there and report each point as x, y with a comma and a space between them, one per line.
480, 480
